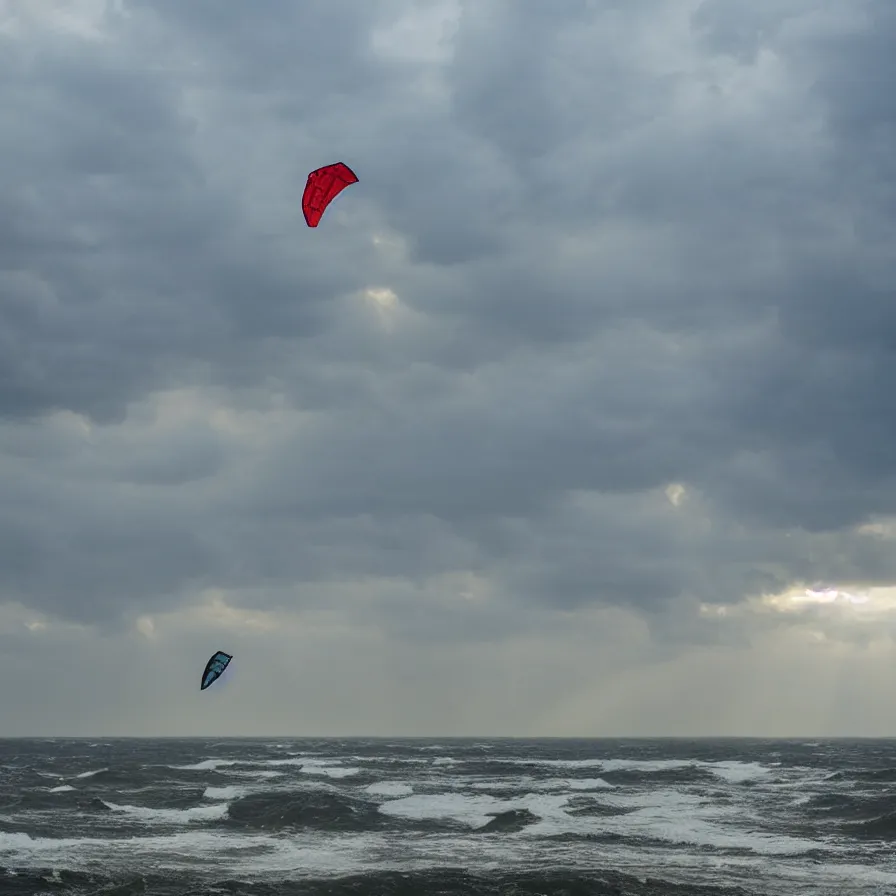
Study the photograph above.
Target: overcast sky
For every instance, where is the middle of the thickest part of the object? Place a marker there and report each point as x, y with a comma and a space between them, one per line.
547, 429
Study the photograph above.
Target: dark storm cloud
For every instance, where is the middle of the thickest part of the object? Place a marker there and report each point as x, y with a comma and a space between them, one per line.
121, 263
631, 247
817, 406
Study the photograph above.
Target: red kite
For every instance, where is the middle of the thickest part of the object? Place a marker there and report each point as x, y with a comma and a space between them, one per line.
323, 186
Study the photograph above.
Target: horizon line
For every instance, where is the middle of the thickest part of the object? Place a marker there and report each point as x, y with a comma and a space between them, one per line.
453, 737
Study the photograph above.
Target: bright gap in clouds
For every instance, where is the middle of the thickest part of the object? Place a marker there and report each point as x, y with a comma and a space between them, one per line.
850, 603
381, 297
829, 596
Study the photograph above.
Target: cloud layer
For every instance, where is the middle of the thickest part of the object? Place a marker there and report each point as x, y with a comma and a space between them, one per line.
605, 327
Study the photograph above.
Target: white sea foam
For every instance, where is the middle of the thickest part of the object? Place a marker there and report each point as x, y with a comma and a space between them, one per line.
328, 768
678, 818
314, 854
171, 816
181, 849
523, 782
205, 765
64, 788
528, 783
231, 792
667, 815
732, 771
92, 773
389, 788
589, 784
738, 772
474, 811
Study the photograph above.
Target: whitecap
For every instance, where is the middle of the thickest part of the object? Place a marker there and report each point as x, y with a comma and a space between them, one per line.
171, 816
389, 788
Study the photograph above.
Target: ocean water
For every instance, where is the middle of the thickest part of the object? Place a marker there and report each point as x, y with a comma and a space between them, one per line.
279, 817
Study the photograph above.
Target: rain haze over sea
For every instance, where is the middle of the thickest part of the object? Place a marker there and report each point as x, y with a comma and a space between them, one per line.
284, 817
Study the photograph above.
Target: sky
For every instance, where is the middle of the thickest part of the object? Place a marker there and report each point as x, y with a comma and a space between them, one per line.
575, 416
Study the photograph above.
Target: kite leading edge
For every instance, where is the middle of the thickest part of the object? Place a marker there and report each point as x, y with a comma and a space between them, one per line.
323, 186
214, 667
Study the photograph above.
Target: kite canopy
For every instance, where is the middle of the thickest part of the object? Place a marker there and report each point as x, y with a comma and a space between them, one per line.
214, 667
323, 186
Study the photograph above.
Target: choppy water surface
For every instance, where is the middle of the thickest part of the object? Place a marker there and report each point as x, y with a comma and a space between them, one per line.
272, 817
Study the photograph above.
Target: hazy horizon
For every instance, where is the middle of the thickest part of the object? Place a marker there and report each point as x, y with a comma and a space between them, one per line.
791, 738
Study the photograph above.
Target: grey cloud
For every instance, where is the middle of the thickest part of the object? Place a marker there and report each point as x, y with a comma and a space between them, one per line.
309, 48
742, 30
595, 302
98, 565
134, 267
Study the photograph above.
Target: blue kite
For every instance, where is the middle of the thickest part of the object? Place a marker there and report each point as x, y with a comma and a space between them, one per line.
214, 667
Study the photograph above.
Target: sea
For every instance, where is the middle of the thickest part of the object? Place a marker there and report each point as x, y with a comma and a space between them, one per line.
282, 817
